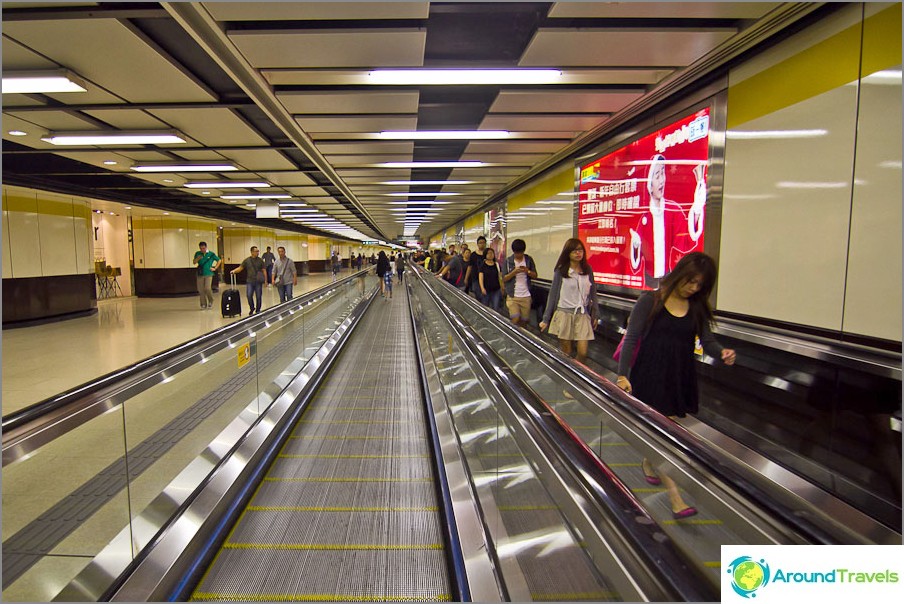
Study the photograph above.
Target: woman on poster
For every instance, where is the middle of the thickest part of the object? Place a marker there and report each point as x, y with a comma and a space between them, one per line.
664, 233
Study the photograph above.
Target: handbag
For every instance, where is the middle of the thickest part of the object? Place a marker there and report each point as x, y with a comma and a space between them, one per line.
618, 349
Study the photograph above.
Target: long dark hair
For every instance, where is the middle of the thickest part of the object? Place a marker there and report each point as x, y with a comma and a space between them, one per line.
564, 261
695, 264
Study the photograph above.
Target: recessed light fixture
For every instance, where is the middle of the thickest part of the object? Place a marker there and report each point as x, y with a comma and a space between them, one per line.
420, 194
273, 196
447, 77
167, 180
17, 133
114, 138
431, 164
184, 167
109, 162
166, 213
228, 184
427, 182
443, 134
205, 192
38, 82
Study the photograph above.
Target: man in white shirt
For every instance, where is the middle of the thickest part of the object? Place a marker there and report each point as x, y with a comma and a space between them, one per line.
519, 269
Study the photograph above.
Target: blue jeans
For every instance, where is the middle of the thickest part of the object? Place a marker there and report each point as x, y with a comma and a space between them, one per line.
285, 292
493, 300
252, 288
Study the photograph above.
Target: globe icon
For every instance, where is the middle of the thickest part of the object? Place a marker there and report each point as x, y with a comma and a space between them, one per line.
748, 575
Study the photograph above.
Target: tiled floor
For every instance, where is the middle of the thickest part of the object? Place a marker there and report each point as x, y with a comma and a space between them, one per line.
41, 361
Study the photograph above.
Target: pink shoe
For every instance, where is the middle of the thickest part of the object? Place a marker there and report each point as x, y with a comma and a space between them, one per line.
685, 513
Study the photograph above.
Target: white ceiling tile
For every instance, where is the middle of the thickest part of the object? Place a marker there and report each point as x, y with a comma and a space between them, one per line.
523, 122
139, 73
198, 155
353, 102
360, 160
307, 191
357, 124
359, 48
263, 159
211, 127
52, 120
521, 159
367, 146
562, 48
513, 146
273, 11
562, 101
128, 119
664, 10
287, 179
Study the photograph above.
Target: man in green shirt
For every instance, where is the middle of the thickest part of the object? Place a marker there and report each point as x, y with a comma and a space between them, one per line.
207, 262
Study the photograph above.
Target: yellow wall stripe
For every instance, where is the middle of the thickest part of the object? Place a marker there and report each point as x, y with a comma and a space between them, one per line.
335, 546
291, 508
549, 188
271, 597
474, 221
882, 40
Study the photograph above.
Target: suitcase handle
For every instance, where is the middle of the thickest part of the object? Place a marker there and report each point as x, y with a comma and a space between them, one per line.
232, 278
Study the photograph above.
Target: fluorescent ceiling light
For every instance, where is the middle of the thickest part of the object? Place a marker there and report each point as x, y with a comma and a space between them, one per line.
184, 167
419, 203
229, 184
427, 182
271, 196
443, 134
420, 194
55, 80
293, 205
431, 164
773, 134
17, 133
114, 138
449, 77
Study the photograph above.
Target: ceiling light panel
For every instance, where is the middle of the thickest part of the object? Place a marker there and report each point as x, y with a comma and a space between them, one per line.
443, 134
42, 82
115, 138
446, 77
184, 167
226, 184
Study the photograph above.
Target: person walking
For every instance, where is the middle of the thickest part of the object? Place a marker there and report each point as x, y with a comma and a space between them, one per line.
384, 271
285, 275
518, 270
400, 266
471, 284
656, 363
454, 270
269, 259
336, 262
255, 275
490, 280
572, 301
207, 262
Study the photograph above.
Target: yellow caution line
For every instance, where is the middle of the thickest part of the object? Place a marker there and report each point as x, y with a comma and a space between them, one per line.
346, 479
648, 490
692, 521
291, 508
713, 564
221, 596
340, 437
330, 456
525, 508
623, 465
574, 596
333, 546
351, 421
375, 408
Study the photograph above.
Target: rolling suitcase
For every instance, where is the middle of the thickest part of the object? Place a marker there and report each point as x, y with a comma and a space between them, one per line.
231, 301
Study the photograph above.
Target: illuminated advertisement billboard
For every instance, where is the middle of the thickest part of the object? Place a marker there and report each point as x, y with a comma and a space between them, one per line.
641, 207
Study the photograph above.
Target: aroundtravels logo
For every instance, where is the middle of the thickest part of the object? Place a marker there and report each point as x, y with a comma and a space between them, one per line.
748, 575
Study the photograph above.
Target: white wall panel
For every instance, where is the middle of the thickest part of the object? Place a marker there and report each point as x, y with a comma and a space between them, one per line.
138, 242
873, 294
24, 234
175, 243
785, 214
153, 242
81, 230
57, 237
7, 252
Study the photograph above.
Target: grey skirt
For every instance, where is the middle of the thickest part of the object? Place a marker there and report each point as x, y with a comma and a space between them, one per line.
567, 325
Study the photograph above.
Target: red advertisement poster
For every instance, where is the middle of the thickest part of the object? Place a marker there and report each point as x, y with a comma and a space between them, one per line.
641, 208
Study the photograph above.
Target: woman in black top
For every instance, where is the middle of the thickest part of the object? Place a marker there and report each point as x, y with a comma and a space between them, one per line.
664, 324
384, 271
490, 280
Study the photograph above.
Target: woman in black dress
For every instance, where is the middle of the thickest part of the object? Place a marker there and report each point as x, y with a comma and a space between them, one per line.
664, 324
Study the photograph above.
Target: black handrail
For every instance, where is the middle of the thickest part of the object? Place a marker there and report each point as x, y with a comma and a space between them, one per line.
603, 392
18, 425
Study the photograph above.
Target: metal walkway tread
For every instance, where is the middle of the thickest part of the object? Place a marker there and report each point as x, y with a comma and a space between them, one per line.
347, 511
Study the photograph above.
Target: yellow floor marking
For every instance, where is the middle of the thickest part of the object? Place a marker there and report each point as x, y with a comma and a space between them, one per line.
331, 456
351, 421
334, 546
291, 508
334, 437
713, 564
574, 596
525, 508
691, 521
346, 479
245, 597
